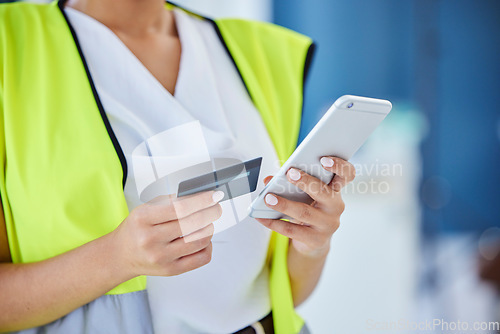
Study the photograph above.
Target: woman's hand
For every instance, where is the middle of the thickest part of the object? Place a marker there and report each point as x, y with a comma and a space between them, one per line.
169, 236
148, 242
313, 224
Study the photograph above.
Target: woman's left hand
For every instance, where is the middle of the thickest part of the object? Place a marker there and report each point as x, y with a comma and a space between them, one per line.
313, 224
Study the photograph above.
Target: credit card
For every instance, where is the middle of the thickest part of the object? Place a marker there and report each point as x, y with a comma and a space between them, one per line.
234, 181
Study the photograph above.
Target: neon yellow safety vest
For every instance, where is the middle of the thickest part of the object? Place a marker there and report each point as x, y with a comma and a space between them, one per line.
62, 169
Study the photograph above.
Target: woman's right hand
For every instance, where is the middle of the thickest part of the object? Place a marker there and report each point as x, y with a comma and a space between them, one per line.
168, 236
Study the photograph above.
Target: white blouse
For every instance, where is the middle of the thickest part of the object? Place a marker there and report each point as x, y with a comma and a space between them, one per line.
209, 119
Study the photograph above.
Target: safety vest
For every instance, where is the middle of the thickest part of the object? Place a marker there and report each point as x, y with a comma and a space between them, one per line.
62, 169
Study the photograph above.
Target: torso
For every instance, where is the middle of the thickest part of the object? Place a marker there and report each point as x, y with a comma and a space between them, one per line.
159, 52
209, 96
161, 55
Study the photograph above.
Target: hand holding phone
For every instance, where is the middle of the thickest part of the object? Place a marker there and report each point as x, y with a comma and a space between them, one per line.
339, 133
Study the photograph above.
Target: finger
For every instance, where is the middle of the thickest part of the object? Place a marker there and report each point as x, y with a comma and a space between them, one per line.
338, 183
267, 179
314, 187
192, 261
340, 167
188, 205
299, 211
207, 231
288, 229
167, 232
167, 208
172, 230
199, 240
199, 220
295, 221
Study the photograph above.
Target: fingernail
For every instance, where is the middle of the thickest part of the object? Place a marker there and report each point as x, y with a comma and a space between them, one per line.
271, 199
326, 162
294, 174
217, 196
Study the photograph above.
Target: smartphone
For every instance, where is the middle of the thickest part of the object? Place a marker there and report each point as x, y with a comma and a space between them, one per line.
340, 133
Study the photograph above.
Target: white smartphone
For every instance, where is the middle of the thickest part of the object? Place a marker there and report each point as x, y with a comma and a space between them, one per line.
340, 133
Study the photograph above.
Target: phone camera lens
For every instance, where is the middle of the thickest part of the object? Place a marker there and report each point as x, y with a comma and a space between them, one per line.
350, 105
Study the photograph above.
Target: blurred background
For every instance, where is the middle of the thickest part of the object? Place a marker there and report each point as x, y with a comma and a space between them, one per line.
420, 238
